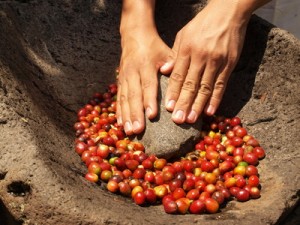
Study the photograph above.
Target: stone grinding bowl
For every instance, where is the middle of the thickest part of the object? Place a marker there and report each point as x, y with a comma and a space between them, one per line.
56, 54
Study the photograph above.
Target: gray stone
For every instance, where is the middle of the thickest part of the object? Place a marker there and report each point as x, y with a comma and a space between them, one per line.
165, 138
55, 54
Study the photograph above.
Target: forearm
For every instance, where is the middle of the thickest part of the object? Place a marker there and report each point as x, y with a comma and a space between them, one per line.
235, 11
248, 5
137, 15
252, 5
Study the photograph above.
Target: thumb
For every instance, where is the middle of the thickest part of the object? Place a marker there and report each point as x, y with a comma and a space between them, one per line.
168, 66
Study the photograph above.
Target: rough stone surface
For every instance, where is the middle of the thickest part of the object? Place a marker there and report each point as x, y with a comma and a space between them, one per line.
55, 54
162, 136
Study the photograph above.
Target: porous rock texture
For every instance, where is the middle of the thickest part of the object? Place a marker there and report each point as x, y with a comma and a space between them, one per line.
165, 138
55, 54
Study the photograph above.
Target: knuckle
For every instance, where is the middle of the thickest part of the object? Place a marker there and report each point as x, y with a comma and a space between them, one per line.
190, 86
216, 57
147, 84
205, 89
123, 98
131, 94
202, 52
177, 77
220, 85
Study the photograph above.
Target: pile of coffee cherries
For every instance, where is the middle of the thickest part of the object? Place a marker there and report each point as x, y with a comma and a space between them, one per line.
222, 167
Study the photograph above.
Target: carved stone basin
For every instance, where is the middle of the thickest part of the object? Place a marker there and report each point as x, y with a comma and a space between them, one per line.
55, 54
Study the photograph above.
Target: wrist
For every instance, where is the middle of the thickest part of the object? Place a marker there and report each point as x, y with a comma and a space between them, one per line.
249, 6
137, 29
237, 11
137, 16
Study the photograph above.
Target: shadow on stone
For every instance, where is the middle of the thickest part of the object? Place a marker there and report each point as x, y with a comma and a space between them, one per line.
6, 217
292, 215
241, 82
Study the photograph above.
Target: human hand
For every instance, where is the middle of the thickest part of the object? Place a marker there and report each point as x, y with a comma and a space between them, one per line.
143, 53
205, 52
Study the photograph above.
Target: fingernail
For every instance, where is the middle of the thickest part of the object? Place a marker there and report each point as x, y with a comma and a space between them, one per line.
170, 105
192, 116
210, 110
179, 115
127, 127
136, 125
148, 112
119, 120
165, 66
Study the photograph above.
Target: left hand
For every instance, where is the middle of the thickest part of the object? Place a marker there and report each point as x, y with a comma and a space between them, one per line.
205, 51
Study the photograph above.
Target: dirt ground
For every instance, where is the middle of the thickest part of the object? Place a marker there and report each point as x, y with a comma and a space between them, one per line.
55, 54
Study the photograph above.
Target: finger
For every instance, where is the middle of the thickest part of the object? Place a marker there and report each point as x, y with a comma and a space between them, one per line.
176, 81
149, 89
125, 110
119, 111
135, 100
204, 91
188, 92
218, 92
169, 65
